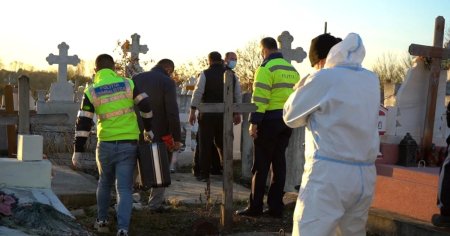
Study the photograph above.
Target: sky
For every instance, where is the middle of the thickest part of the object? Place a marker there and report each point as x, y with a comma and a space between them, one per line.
185, 30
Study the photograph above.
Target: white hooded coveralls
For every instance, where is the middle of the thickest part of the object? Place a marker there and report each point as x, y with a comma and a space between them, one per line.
339, 106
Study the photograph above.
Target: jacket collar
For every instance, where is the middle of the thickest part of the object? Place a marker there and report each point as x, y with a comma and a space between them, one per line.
104, 73
272, 56
159, 69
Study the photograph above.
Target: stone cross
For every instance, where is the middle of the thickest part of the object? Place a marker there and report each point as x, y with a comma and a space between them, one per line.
134, 49
23, 119
285, 40
62, 60
437, 53
227, 108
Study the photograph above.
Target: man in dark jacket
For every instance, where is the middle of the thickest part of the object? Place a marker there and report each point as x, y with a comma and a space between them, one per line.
209, 89
166, 121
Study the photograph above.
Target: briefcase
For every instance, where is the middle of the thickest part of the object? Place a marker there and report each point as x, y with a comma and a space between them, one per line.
153, 166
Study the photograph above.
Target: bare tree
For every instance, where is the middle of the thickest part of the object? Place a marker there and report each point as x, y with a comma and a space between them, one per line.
190, 69
249, 59
390, 69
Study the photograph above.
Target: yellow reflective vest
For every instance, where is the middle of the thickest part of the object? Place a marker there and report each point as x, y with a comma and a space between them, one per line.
112, 97
273, 83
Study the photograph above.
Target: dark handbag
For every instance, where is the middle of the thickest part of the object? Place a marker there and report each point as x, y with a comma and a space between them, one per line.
153, 165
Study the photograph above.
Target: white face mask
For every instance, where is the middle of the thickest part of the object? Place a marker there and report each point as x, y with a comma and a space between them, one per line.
232, 64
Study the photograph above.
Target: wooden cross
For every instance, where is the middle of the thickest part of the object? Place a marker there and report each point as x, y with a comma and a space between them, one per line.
285, 40
227, 108
437, 53
23, 119
62, 60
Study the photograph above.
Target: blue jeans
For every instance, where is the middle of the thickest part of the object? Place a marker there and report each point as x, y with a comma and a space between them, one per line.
116, 163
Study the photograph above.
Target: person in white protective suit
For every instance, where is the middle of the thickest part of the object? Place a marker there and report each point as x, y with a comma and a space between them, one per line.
339, 106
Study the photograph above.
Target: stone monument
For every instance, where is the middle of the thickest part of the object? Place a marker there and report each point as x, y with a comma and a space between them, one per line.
60, 100
133, 67
62, 90
408, 113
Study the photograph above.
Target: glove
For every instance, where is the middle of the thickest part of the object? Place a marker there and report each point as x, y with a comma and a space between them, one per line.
76, 159
168, 140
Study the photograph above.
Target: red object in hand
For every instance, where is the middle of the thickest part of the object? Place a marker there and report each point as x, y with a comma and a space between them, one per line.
168, 140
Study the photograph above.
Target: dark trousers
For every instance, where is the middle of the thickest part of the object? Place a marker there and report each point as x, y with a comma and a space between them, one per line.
216, 162
210, 133
269, 149
444, 188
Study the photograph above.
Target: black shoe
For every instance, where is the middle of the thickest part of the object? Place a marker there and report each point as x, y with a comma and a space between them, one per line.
248, 212
274, 214
440, 220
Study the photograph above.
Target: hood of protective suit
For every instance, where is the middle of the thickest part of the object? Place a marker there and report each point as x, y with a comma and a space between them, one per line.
349, 52
339, 106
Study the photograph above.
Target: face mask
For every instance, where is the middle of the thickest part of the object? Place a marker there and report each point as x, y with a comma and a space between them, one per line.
232, 64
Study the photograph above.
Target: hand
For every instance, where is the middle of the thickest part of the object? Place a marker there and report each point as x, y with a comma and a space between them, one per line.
192, 117
236, 118
76, 160
148, 136
177, 146
253, 130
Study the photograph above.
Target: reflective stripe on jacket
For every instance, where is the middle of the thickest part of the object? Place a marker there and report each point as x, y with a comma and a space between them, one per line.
274, 82
112, 97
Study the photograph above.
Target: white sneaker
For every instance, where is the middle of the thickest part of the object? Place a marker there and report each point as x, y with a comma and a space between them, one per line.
122, 232
101, 226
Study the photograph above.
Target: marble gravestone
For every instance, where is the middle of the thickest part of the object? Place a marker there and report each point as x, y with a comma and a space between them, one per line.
133, 67
408, 113
60, 100
295, 152
62, 90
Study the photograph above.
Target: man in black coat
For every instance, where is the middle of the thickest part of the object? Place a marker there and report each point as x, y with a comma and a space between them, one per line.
166, 121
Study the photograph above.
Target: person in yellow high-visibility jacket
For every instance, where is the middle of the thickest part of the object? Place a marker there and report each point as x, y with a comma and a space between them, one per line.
273, 83
112, 99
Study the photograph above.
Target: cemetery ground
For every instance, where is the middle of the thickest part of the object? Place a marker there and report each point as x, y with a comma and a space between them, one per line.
199, 218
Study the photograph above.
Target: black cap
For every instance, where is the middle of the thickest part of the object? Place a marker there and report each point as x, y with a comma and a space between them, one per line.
320, 46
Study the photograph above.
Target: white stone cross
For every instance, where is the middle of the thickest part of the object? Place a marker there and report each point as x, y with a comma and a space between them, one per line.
285, 40
62, 60
136, 48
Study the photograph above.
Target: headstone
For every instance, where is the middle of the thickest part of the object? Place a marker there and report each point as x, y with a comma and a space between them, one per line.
61, 100
32, 102
41, 95
389, 94
437, 54
295, 152
134, 49
408, 113
62, 90
285, 40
